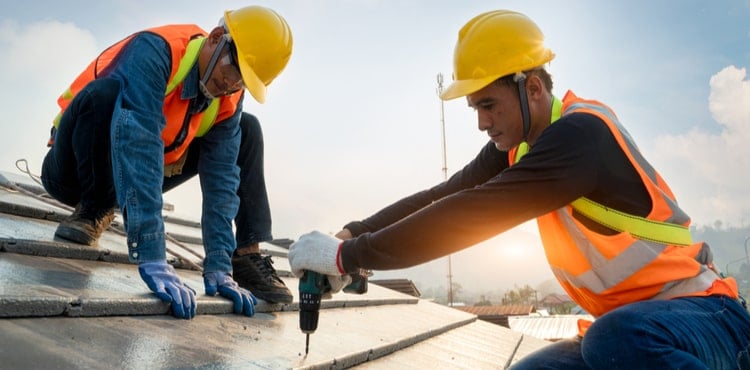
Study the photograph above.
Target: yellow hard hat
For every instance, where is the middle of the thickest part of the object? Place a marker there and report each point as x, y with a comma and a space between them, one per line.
492, 45
264, 45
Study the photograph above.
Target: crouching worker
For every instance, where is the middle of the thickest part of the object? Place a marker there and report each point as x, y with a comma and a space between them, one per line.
154, 110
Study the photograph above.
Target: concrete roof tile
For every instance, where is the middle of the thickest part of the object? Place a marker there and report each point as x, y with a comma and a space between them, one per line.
70, 306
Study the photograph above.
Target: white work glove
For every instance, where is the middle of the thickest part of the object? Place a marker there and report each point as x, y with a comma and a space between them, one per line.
319, 252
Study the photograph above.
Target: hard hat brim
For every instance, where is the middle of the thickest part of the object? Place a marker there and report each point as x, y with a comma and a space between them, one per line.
249, 78
461, 88
253, 84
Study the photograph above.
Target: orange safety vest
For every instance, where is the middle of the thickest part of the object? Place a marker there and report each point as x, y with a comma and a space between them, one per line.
185, 42
603, 272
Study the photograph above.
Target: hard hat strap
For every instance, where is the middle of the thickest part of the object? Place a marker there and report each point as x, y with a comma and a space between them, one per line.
520, 79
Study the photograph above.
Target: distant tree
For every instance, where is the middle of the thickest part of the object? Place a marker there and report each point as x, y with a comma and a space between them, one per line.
523, 295
483, 301
562, 308
457, 289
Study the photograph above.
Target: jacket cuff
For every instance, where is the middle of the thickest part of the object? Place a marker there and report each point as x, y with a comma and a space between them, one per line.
357, 228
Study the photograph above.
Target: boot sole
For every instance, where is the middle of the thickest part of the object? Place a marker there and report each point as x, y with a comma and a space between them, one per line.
74, 235
270, 297
274, 298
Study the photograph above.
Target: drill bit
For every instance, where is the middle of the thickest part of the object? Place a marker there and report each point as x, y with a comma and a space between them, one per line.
307, 343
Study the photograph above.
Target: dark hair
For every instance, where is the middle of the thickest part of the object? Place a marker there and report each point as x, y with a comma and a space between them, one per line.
540, 72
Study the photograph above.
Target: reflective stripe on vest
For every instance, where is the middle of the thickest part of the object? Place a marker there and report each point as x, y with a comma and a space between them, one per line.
643, 228
603, 272
186, 63
185, 42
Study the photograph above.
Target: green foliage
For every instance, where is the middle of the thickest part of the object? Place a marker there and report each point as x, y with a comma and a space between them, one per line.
563, 308
483, 301
523, 295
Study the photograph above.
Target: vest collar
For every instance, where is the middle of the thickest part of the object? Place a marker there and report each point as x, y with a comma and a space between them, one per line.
523, 148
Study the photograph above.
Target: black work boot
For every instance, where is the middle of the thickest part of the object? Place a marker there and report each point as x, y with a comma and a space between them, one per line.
85, 226
255, 273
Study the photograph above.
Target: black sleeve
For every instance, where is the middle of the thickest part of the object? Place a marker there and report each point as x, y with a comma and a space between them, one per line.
566, 162
487, 164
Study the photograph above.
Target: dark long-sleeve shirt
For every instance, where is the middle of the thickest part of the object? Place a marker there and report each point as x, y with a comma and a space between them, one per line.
574, 157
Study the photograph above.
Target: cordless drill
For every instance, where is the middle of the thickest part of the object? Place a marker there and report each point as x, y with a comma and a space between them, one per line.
312, 287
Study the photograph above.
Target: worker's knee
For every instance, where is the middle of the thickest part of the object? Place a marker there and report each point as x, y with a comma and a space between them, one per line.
250, 127
612, 339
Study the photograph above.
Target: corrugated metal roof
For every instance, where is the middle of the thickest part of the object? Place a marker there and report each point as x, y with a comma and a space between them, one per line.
503, 310
405, 286
70, 306
551, 328
556, 299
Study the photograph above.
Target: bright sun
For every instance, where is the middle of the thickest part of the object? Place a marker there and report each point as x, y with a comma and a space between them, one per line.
512, 250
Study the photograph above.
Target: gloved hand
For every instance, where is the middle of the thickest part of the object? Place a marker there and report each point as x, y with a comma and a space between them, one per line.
162, 280
319, 252
218, 281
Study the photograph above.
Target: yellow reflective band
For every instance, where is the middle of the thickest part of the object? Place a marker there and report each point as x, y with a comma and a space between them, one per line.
556, 110
209, 116
56, 121
642, 228
523, 148
186, 63
67, 94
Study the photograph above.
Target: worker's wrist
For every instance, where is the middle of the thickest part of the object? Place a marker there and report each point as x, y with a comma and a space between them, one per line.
339, 265
356, 228
345, 259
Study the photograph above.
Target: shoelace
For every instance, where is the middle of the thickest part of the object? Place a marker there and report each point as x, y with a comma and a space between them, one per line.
265, 265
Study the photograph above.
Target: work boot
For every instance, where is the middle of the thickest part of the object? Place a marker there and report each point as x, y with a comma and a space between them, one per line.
85, 226
255, 273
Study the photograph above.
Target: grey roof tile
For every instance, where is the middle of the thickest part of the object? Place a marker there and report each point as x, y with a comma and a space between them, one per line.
70, 306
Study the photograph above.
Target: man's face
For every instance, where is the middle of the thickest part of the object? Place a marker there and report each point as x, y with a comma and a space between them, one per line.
499, 114
225, 78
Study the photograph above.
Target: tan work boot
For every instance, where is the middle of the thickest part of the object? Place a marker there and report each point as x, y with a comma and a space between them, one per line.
85, 226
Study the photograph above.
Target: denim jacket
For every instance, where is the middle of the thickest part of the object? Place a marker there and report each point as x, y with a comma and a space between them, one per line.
143, 68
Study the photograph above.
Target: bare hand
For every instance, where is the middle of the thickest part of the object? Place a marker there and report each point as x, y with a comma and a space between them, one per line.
344, 234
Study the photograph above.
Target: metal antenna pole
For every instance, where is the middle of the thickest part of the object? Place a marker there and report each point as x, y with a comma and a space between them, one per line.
445, 177
442, 125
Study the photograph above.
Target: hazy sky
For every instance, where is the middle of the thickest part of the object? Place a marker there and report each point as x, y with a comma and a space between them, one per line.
353, 123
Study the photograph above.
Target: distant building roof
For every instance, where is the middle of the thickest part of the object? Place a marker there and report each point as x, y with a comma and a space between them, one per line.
498, 314
405, 286
75, 306
508, 309
555, 299
550, 328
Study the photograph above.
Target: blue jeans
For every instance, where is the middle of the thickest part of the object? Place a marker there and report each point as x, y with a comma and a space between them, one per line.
682, 333
78, 167
253, 220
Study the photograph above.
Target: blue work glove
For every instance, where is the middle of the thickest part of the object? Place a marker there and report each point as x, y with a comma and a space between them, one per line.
217, 281
162, 280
